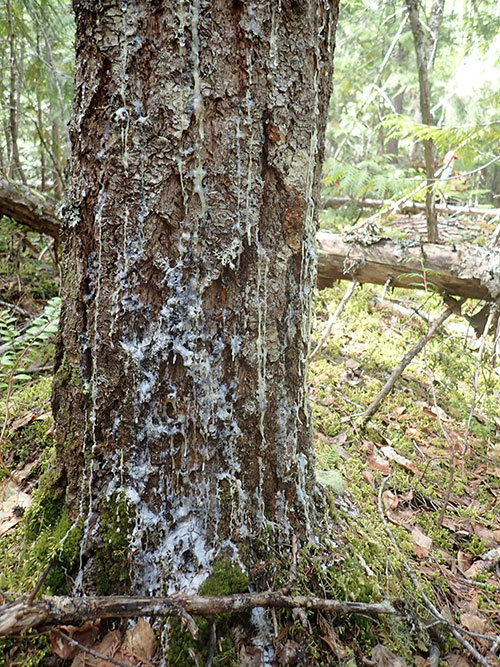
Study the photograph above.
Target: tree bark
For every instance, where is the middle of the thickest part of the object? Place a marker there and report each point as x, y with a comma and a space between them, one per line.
180, 396
471, 271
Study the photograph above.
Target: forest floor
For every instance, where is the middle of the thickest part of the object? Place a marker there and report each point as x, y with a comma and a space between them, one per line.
415, 489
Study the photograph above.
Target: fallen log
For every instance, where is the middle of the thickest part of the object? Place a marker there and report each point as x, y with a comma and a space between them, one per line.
470, 272
24, 614
412, 206
29, 208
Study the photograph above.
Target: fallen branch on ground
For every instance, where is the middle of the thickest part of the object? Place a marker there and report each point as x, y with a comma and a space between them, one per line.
469, 271
29, 208
408, 358
412, 206
20, 615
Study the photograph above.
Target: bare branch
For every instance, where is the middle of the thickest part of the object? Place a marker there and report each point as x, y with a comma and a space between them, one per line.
20, 615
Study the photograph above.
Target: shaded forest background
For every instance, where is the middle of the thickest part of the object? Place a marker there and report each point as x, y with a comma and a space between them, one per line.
415, 483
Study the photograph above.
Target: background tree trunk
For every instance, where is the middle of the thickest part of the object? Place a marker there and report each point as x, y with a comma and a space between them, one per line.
425, 51
180, 396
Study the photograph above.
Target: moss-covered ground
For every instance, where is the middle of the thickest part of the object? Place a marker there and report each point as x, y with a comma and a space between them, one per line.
414, 493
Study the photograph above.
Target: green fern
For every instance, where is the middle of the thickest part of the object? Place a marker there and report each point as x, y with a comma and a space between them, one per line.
467, 140
21, 352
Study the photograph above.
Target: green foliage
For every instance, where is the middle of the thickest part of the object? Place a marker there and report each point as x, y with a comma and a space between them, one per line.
20, 350
374, 177
374, 135
466, 141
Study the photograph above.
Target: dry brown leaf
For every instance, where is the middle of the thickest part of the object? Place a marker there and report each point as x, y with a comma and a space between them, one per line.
368, 477
436, 411
61, 647
13, 502
109, 647
329, 400
141, 641
383, 657
450, 524
464, 560
488, 561
473, 623
484, 533
85, 634
23, 421
390, 453
390, 499
453, 660
421, 543
377, 462
400, 518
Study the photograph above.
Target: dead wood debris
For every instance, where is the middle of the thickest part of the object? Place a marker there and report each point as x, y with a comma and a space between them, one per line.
20, 615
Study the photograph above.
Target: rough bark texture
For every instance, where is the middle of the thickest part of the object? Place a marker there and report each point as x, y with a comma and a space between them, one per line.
471, 272
180, 396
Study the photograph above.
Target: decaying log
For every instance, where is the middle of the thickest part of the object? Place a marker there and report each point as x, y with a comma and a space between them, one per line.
412, 207
29, 208
22, 614
469, 271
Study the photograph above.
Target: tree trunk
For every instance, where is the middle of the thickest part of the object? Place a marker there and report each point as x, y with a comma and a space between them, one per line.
180, 396
14, 169
425, 53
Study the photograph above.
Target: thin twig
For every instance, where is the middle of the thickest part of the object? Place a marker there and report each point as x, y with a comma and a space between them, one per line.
407, 359
39, 584
386, 285
18, 615
333, 318
18, 309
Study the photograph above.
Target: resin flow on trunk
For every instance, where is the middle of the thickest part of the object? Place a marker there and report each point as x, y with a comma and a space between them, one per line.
191, 225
